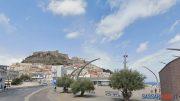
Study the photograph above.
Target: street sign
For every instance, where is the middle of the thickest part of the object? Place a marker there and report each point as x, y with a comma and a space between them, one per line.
54, 82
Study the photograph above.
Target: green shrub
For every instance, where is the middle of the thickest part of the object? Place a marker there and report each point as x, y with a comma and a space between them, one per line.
82, 85
16, 81
25, 77
64, 82
127, 81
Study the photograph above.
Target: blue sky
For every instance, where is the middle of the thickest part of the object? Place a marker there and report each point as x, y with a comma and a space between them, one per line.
92, 28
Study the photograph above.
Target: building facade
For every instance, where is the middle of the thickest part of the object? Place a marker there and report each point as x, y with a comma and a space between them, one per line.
58, 71
38, 72
3, 75
11, 74
170, 81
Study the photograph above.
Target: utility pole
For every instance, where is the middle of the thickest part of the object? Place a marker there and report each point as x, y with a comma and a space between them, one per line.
125, 61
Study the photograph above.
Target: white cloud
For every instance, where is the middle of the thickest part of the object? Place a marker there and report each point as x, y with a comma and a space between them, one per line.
174, 25
147, 60
114, 3
6, 59
67, 7
5, 23
142, 47
124, 44
42, 5
72, 35
106, 60
153, 61
175, 39
112, 26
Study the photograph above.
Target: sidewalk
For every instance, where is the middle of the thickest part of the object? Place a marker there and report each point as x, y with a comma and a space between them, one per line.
98, 96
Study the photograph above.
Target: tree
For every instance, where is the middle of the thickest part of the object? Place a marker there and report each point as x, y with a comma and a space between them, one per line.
127, 81
16, 81
25, 77
64, 82
82, 85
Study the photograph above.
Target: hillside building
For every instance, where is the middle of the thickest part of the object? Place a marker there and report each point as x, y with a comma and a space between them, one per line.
3, 75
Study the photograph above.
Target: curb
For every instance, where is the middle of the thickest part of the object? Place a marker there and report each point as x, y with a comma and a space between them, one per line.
30, 95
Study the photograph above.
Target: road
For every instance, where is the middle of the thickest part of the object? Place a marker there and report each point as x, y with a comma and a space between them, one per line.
18, 94
48, 94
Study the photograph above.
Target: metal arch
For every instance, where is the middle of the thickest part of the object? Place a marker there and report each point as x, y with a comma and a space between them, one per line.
85, 66
152, 73
84, 74
73, 72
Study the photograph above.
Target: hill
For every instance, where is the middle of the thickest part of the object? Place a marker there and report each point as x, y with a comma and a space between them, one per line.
56, 58
48, 58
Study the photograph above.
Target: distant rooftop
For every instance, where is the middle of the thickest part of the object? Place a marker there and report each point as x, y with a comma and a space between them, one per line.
4, 67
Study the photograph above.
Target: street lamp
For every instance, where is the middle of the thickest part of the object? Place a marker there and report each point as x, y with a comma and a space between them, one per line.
163, 63
176, 56
157, 81
175, 49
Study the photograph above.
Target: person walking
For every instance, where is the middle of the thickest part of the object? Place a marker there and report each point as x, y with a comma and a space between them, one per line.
5, 88
55, 88
155, 90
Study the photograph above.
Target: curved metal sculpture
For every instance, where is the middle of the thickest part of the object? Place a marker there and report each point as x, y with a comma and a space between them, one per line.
84, 74
152, 73
71, 75
85, 66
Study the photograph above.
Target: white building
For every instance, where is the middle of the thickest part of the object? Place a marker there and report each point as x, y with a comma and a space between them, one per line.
3, 74
58, 71
100, 81
42, 77
11, 74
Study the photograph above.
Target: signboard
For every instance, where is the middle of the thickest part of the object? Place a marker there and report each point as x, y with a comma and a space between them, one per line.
54, 82
166, 96
112, 93
151, 96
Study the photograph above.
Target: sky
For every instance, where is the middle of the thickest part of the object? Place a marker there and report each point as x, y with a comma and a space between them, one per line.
90, 29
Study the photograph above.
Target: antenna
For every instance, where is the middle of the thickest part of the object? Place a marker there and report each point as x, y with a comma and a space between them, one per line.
125, 60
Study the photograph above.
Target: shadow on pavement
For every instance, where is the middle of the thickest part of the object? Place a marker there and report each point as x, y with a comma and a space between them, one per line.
119, 99
85, 96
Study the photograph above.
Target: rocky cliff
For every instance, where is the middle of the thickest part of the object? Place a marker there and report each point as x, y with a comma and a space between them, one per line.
48, 58
56, 58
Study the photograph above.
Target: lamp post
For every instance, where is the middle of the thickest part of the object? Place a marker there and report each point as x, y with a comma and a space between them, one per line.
157, 81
